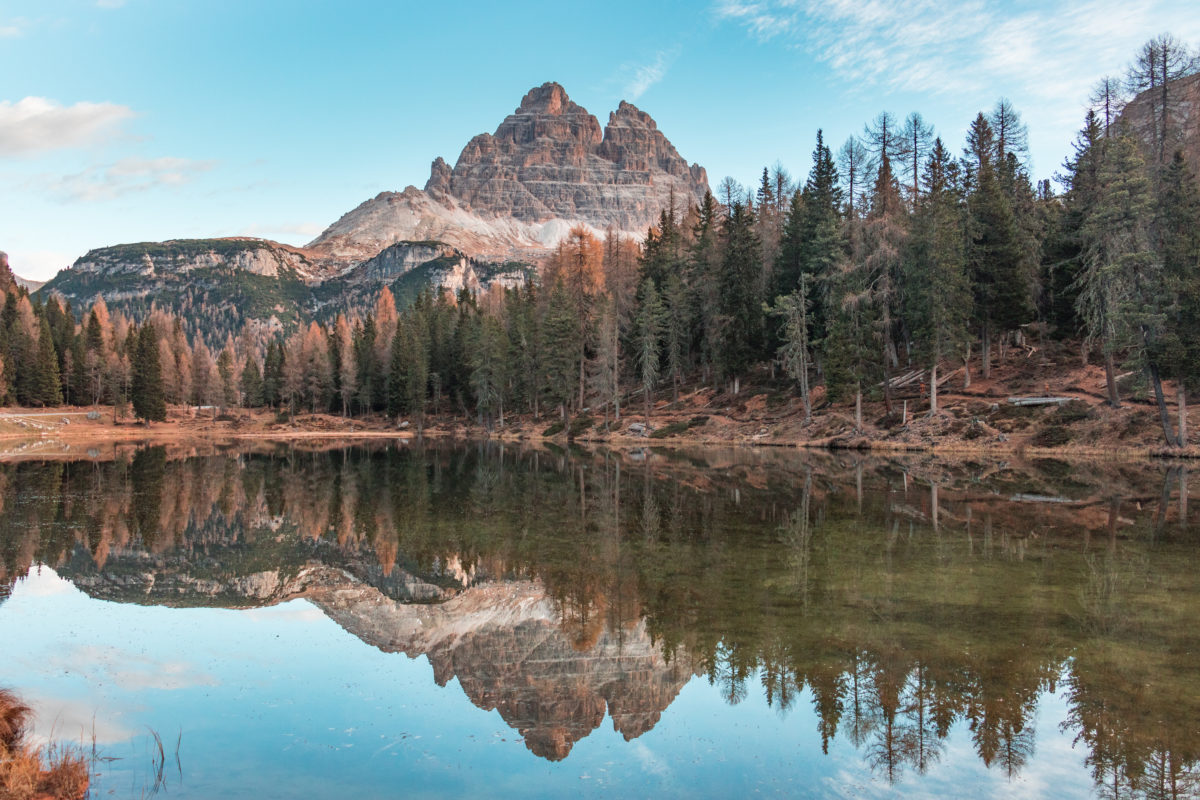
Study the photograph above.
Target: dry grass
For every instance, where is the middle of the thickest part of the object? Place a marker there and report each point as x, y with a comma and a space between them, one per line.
35, 773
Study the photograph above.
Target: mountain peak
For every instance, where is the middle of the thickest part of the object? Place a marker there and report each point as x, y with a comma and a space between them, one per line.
549, 98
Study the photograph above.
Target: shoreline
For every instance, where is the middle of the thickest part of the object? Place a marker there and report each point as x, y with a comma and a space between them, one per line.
70, 438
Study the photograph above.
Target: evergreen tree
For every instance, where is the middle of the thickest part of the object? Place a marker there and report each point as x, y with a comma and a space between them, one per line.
648, 337
1178, 227
739, 304
793, 354
46, 383
149, 402
252, 384
997, 260
937, 297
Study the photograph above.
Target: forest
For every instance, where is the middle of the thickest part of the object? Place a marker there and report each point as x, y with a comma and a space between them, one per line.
894, 254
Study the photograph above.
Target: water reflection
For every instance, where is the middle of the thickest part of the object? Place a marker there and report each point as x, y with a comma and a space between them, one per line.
902, 598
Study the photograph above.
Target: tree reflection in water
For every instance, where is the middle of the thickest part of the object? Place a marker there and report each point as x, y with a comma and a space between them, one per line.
900, 597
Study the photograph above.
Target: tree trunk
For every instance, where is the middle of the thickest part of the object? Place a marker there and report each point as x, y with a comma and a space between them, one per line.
1163, 415
858, 410
1183, 431
987, 352
967, 368
1110, 378
804, 386
933, 409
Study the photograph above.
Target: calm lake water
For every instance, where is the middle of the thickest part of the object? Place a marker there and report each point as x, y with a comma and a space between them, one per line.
392, 619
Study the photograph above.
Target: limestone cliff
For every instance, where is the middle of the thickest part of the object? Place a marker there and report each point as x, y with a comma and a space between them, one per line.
179, 257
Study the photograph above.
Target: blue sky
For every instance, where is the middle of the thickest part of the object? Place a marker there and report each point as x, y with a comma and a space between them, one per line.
135, 120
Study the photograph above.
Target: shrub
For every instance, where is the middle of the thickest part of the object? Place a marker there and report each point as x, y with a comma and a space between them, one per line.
579, 425
670, 429
554, 430
1052, 436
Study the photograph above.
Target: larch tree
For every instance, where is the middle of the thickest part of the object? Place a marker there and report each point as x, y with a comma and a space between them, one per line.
853, 164
917, 139
1159, 63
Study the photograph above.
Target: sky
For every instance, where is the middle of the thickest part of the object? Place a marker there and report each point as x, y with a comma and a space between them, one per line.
143, 120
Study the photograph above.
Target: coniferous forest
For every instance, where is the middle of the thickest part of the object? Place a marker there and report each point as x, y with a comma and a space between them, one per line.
899, 251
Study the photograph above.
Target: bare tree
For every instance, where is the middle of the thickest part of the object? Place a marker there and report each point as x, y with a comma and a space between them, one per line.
917, 139
1012, 135
853, 164
1108, 99
1159, 62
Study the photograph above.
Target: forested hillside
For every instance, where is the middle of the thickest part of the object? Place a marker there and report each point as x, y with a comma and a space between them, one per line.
899, 253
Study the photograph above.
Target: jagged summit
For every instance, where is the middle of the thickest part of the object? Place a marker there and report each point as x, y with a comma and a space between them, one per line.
516, 191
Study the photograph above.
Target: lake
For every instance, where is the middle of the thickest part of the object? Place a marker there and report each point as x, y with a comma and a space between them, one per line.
494, 620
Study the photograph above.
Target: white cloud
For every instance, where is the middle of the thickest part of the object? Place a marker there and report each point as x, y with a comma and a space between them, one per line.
127, 176
36, 124
283, 232
1053, 52
647, 75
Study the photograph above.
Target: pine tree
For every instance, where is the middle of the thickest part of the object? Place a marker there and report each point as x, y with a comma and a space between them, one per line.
997, 260
884, 234
648, 336
252, 383
1178, 227
1123, 293
937, 297
46, 384
149, 402
739, 304
793, 354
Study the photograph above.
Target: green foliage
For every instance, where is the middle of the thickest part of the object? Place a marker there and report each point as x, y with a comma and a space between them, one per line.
149, 402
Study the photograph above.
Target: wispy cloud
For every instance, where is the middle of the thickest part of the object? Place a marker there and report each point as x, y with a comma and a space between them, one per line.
646, 75
127, 176
12, 28
37, 124
1053, 51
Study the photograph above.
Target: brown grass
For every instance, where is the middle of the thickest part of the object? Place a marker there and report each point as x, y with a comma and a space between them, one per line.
35, 773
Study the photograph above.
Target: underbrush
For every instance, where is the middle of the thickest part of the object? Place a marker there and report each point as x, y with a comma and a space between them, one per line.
26, 771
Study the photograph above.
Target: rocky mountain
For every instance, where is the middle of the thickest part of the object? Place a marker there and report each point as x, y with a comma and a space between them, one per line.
504, 640
516, 192
218, 284
511, 196
1143, 116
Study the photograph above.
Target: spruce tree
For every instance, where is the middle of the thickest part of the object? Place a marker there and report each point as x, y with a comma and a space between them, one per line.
149, 403
997, 260
937, 297
47, 386
252, 383
739, 303
648, 337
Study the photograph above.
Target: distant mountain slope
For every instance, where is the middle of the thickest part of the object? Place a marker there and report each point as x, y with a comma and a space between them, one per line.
218, 284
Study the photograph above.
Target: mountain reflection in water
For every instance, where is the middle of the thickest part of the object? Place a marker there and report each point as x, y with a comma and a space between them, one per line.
903, 597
